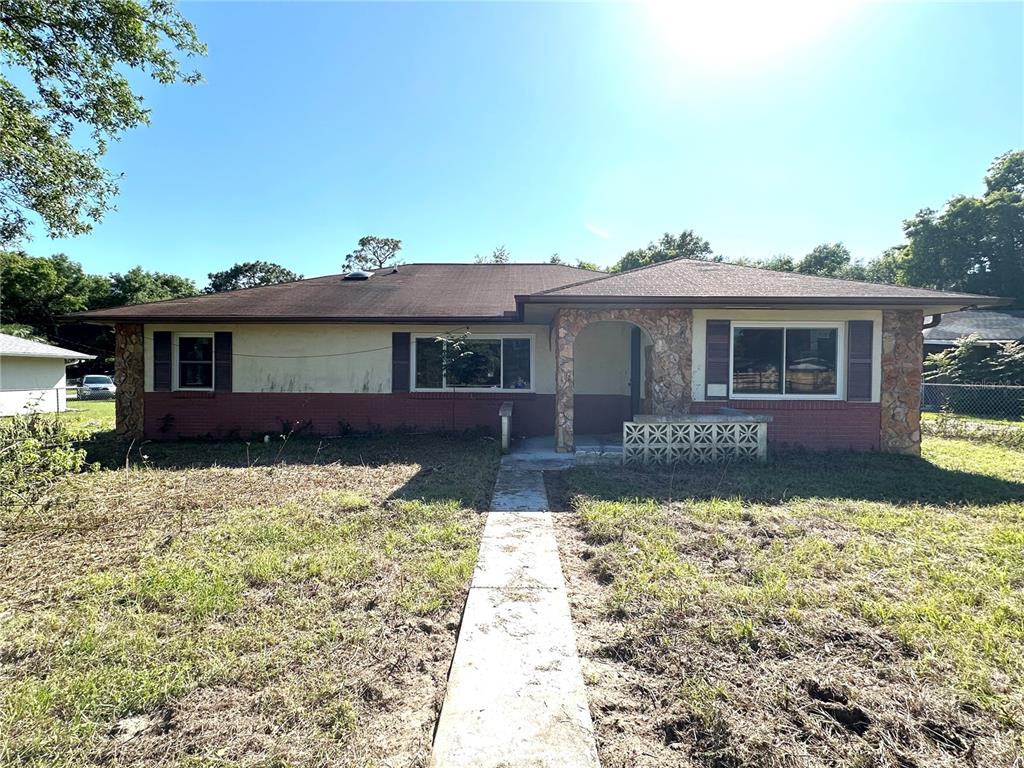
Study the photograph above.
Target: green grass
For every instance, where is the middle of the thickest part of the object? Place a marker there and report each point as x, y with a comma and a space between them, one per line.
748, 572
939, 415
285, 580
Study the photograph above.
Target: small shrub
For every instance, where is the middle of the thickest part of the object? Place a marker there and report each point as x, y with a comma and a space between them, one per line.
36, 451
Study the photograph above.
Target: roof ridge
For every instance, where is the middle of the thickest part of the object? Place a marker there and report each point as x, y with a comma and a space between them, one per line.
748, 267
609, 275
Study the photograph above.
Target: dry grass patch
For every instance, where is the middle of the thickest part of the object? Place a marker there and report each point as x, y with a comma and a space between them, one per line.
817, 611
223, 604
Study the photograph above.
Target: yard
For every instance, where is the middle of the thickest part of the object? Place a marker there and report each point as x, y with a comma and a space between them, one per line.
296, 603
814, 611
201, 604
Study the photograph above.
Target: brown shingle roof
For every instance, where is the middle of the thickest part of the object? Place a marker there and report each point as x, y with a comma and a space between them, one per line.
482, 292
414, 292
709, 282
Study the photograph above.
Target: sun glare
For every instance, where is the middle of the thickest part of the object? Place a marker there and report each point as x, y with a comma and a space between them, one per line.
726, 35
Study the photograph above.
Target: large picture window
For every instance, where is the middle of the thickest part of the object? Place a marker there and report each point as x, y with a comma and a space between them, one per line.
195, 362
503, 363
788, 361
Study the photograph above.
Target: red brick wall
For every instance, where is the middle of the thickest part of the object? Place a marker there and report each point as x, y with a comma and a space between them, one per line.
600, 414
814, 424
220, 414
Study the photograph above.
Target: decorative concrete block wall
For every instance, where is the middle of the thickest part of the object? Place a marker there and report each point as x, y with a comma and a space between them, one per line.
671, 332
902, 356
129, 377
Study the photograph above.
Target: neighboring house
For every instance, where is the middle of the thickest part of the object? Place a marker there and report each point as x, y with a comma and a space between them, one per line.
32, 375
836, 363
991, 328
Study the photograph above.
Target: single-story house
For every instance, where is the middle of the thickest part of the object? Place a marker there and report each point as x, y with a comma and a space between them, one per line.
991, 328
836, 363
33, 375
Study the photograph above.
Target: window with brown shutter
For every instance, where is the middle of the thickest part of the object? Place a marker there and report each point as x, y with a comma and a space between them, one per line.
400, 362
161, 361
222, 361
716, 361
860, 340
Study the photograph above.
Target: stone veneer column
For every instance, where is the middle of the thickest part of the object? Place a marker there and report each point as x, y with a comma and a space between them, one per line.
129, 377
902, 358
671, 331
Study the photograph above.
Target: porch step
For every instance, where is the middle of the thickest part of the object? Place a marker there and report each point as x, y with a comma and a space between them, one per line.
609, 454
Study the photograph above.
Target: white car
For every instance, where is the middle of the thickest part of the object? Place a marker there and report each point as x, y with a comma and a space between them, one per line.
96, 387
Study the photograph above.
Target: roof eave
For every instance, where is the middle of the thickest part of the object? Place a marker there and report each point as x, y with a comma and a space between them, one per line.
508, 317
962, 301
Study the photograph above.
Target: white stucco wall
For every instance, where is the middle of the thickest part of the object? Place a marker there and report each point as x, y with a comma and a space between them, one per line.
601, 355
700, 318
311, 357
31, 384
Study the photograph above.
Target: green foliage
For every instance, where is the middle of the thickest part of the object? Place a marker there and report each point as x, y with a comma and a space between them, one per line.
1006, 173
21, 331
373, 253
500, 255
974, 244
827, 260
36, 451
36, 291
74, 59
250, 274
685, 245
580, 263
967, 361
137, 286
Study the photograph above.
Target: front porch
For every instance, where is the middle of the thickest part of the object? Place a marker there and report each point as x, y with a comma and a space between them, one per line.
660, 356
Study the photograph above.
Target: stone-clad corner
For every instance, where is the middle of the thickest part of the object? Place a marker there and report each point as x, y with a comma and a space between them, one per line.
902, 355
129, 378
671, 333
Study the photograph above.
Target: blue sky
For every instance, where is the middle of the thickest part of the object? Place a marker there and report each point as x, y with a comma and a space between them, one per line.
582, 129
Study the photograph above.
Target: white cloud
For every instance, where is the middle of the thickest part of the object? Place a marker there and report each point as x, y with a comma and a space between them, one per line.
593, 229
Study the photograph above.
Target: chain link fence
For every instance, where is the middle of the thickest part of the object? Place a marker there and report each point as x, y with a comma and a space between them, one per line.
994, 401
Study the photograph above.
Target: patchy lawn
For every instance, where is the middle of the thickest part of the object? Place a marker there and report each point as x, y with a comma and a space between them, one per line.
842, 610
222, 604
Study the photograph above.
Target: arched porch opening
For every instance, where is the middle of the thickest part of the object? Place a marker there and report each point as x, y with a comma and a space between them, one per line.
666, 376
609, 376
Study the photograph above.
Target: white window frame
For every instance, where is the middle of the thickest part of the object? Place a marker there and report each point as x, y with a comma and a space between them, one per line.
531, 337
176, 368
840, 328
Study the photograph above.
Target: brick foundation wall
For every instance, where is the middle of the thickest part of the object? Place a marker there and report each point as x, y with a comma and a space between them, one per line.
812, 424
224, 414
823, 425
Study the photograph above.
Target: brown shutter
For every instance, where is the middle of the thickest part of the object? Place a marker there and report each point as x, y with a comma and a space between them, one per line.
860, 337
716, 360
222, 360
400, 362
161, 361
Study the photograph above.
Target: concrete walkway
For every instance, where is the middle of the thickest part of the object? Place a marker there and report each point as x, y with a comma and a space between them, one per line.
515, 694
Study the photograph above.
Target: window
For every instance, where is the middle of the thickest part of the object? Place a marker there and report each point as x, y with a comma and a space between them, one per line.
795, 361
195, 362
503, 363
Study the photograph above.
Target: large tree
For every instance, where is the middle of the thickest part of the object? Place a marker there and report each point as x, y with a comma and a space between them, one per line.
686, 245
373, 253
65, 94
827, 260
137, 286
250, 274
974, 244
35, 291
